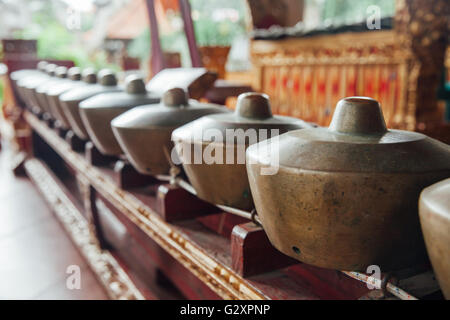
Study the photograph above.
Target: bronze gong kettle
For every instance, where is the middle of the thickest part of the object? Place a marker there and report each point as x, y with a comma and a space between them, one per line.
59, 76
70, 100
28, 84
54, 92
223, 179
346, 197
144, 132
98, 111
23, 74
434, 210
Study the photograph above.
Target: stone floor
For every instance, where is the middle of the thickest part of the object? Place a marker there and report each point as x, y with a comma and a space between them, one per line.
35, 252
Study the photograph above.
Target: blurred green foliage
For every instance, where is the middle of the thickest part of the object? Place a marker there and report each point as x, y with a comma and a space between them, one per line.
140, 47
177, 42
55, 41
216, 23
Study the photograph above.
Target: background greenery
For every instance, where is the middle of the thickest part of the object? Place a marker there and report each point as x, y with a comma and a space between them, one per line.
211, 29
55, 41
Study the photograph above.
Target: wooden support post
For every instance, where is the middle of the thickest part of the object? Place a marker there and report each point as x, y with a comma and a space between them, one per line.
157, 62
123, 174
76, 144
48, 120
175, 204
126, 176
62, 132
37, 113
221, 223
92, 215
252, 253
95, 157
18, 164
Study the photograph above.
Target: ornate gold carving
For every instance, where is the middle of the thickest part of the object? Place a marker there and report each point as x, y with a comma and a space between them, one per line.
343, 59
114, 279
376, 46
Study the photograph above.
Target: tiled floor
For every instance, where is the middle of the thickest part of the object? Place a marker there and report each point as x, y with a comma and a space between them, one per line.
35, 252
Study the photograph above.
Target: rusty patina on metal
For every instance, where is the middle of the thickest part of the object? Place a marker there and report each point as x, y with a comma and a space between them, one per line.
224, 181
346, 197
144, 133
434, 210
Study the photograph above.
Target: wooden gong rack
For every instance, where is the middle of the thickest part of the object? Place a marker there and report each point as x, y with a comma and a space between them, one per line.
150, 239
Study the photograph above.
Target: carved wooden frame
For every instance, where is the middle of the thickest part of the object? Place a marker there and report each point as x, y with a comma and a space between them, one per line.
223, 281
349, 49
416, 46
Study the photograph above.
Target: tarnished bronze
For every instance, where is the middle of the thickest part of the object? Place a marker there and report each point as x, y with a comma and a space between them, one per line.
55, 91
144, 133
346, 197
70, 100
224, 138
98, 111
434, 211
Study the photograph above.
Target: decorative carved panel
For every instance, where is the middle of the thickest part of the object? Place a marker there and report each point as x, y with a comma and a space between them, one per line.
305, 77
